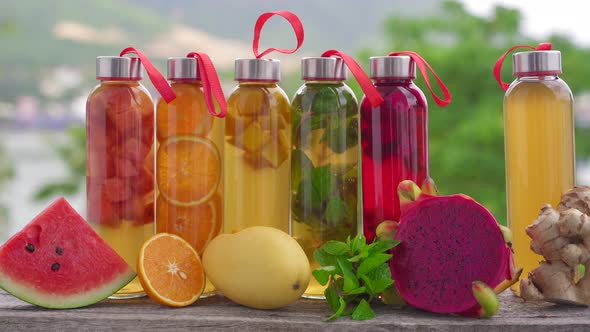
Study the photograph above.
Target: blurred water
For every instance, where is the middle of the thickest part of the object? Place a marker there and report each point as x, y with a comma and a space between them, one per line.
36, 164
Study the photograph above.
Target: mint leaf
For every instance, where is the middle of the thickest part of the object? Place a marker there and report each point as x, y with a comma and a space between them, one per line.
372, 262
332, 298
357, 291
355, 271
368, 284
326, 100
301, 166
363, 311
323, 258
339, 311
341, 133
321, 181
381, 272
336, 210
322, 274
383, 245
381, 285
335, 248
357, 243
350, 280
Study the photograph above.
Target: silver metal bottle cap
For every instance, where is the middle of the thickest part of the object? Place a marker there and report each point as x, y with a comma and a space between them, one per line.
257, 70
118, 68
182, 68
323, 69
536, 62
401, 67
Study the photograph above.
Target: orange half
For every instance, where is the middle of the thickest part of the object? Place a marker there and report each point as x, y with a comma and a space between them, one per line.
188, 170
170, 270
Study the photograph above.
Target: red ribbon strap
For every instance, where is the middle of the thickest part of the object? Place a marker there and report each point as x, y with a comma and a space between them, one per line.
211, 85
423, 65
295, 24
157, 79
368, 88
498, 65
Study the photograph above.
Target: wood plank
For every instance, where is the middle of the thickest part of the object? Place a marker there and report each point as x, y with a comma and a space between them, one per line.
220, 313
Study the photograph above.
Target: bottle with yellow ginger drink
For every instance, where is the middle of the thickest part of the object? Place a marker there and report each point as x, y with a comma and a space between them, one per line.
189, 155
539, 143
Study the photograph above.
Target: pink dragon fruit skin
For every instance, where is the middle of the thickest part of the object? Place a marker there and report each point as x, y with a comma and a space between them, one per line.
447, 242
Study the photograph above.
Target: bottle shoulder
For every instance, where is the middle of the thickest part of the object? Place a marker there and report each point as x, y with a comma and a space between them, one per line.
408, 94
324, 98
258, 96
539, 89
120, 91
272, 90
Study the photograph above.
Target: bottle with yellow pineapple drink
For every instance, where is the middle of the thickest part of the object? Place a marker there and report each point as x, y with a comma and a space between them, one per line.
120, 156
257, 148
189, 159
539, 143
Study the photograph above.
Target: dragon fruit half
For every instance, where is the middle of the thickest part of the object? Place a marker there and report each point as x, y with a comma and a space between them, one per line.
446, 244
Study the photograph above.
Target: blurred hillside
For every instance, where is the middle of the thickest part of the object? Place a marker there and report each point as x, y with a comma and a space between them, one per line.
46, 36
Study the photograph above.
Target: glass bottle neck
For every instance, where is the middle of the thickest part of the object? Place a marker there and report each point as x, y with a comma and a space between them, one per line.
537, 77
265, 84
322, 82
120, 82
186, 81
391, 81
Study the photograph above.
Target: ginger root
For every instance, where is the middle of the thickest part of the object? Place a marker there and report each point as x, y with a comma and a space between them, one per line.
562, 237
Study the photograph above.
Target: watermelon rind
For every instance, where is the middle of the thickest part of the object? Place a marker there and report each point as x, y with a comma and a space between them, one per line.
55, 301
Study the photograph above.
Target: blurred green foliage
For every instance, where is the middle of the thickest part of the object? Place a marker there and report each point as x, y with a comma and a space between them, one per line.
73, 154
6, 164
6, 174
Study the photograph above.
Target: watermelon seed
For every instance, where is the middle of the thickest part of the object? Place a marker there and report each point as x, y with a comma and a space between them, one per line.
29, 247
59, 251
55, 267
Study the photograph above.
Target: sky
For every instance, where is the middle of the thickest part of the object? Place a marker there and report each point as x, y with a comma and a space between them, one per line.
541, 17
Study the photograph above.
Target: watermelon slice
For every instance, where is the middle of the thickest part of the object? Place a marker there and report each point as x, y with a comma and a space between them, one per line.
58, 261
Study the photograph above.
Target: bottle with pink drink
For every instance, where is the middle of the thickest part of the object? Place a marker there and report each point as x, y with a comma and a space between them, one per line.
394, 135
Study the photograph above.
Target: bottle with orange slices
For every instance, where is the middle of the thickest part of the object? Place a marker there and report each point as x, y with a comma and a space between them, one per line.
189, 158
257, 148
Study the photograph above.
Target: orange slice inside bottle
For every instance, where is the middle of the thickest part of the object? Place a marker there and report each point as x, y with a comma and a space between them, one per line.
170, 270
185, 115
189, 170
196, 224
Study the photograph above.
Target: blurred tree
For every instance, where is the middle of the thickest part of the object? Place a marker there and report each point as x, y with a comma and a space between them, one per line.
6, 164
73, 154
466, 138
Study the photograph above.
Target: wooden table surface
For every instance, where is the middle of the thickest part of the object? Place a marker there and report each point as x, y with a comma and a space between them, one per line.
218, 313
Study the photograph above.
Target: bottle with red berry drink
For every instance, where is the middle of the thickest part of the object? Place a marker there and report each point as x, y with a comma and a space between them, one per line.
394, 135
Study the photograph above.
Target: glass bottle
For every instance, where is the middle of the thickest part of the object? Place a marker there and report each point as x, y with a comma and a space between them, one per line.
539, 144
324, 159
257, 148
189, 159
120, 160
394, 139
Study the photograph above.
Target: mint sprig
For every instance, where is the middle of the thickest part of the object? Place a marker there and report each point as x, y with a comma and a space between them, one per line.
356, 273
